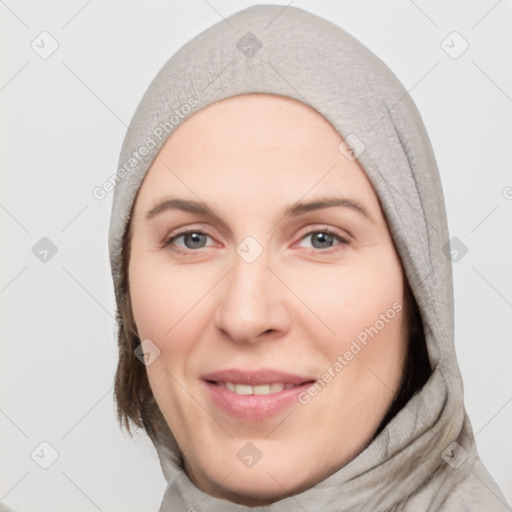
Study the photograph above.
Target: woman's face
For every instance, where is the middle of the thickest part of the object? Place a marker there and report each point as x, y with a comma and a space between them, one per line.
279, 322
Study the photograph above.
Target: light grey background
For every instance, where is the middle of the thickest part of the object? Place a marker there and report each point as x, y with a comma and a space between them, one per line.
63, 122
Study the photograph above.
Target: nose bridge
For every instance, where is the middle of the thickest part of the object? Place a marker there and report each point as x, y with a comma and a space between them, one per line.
250, 303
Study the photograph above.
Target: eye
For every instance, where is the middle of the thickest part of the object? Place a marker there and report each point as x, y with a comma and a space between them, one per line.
192, 239
323, 239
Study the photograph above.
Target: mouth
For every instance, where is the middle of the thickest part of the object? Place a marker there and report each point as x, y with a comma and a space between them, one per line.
255, 395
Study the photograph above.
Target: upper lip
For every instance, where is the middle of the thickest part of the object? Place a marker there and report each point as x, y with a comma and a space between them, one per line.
256, 377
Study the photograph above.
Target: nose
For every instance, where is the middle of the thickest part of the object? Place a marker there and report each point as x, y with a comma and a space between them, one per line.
252, 303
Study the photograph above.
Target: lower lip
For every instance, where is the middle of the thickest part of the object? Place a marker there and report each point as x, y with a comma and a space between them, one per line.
254, 407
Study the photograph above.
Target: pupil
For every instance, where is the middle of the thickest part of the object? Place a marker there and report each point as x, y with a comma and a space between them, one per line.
322, 238
196, 240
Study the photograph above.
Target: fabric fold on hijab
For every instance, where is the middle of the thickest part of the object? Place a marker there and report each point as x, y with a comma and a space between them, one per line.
425, 459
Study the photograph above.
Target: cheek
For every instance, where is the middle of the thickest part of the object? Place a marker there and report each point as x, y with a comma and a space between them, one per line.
159, 297
371, 294
349, 298
168, 303
374, 319
363, 304
166, 309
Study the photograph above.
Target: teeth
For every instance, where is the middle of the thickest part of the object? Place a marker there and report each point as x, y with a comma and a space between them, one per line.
263, 389
243, 389
276, 388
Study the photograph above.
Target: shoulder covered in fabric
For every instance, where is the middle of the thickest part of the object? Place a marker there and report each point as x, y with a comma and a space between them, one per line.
477, 492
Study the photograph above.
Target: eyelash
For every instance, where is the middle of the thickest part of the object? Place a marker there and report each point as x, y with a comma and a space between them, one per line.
328, 231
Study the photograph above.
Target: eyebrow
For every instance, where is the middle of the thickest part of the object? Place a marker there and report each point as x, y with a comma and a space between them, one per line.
296, 209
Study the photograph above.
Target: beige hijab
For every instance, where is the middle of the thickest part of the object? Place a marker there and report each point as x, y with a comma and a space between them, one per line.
425, 459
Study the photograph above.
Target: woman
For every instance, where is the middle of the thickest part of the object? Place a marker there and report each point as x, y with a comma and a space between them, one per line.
278, 245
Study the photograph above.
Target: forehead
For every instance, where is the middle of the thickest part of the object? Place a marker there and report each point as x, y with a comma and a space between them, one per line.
255, 145
258, 119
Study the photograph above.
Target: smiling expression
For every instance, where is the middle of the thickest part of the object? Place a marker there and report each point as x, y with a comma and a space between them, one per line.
259, 254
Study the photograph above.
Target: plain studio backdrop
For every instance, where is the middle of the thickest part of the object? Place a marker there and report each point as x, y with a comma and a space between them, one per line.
72, 75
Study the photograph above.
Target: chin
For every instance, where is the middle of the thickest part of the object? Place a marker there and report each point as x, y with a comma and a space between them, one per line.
254, 489
261, 484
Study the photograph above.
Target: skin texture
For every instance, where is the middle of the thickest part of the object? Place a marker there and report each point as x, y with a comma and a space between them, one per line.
295, 308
